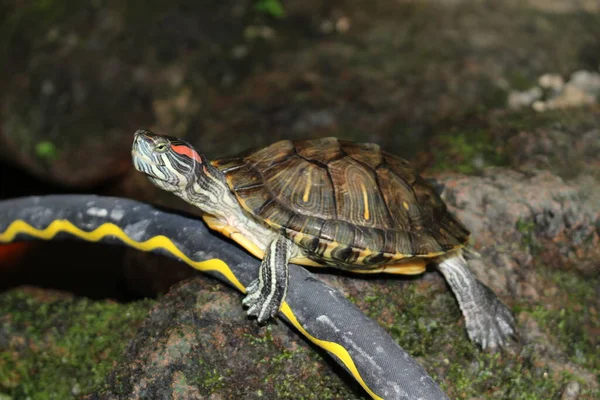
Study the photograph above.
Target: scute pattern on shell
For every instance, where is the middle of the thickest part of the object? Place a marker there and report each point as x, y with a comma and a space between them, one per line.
346, 203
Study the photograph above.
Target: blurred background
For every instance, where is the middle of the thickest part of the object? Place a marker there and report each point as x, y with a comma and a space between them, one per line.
454, 86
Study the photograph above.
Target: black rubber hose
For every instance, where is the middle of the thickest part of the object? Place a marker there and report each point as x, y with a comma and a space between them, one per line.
317, 311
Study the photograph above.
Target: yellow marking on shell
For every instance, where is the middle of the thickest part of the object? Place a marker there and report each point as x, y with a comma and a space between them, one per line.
307, 262
360, 260
329, 249
364, 253
405, 205
394, 265
109, 229
409, 267
229, 183
365, 200
438, 253
269, 222
302, 259
307, 188
334, 348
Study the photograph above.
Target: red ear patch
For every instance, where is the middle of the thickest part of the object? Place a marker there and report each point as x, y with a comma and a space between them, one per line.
186, 151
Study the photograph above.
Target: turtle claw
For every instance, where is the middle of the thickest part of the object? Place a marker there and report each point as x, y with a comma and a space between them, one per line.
490, 324
253, 287
261, 306
253, 293
255, 301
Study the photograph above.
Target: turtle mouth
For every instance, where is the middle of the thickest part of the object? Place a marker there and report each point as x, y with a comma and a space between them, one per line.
140, 159
145, 165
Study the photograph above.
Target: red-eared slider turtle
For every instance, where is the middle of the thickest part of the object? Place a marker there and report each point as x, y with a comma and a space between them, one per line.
325, 202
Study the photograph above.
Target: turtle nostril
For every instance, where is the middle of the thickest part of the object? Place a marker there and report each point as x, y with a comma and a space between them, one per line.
143, 135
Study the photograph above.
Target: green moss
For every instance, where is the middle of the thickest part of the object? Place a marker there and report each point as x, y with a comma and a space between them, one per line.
426, 321
575, 322
483, 141
211, 381
272, 8
284, 365
525, 375
502, 378
528, 238
60, 349
572, 119
467, 151
46, 150
567, 313
266, 338
419, 319
310, 387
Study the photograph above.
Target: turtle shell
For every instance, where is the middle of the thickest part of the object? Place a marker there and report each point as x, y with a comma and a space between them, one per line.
346, 203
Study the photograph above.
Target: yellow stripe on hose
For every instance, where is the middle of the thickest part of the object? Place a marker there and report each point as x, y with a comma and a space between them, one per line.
108, 229
160, 241
337, 349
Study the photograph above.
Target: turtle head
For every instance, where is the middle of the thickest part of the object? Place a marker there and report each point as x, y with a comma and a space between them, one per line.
170, 163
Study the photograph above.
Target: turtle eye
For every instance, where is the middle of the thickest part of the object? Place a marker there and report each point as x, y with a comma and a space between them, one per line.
161, 147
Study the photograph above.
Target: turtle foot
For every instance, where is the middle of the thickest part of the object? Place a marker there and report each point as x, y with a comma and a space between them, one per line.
265, 294
489, 323
261, 305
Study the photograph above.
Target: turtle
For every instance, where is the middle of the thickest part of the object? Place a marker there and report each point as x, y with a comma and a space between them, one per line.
325, 202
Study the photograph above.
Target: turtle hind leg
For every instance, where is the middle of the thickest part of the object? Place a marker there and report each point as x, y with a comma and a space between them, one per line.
489, 322
265, 294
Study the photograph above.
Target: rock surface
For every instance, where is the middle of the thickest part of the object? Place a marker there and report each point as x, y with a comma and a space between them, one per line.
197, 343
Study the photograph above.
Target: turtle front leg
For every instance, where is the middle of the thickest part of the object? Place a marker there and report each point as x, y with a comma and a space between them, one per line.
489, 322
265, 294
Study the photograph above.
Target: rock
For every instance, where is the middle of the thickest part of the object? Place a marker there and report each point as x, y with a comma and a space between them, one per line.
564, 152
67, 113
508, 211
197, 342
519, 99
64, 340
539, 106
554, 82
587, 81
582, 89
572, 391
571, 96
